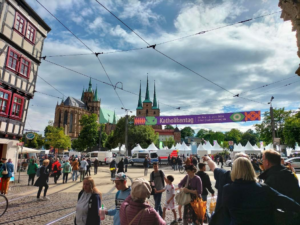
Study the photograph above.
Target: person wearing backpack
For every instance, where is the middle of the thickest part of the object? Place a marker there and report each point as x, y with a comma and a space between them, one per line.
6, 171
157, 180
66, 170
56, 168
123, 192
31, 171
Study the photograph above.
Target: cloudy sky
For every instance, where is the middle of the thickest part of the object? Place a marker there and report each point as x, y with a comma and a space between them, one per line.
238, 58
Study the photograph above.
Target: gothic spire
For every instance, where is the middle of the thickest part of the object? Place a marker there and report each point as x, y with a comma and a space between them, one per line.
147, 98
90, 85
96, 95
114, 119
154, 99
140, 106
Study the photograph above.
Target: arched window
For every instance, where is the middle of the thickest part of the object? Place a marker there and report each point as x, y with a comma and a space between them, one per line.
71, 122
66, 118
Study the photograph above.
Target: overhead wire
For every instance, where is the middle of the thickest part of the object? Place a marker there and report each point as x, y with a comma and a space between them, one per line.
154, 47
47, 94
96, 54
51, 86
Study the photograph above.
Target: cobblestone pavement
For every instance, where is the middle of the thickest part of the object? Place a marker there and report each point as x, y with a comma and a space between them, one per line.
25, 209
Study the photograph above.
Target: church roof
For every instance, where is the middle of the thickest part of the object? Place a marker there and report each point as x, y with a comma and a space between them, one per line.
70, 101
107, 116
147, 97
176, 129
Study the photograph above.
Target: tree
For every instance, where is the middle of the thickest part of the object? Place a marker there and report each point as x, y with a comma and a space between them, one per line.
169, 142
234, 135
264, 129
89, 135
249, 136
291, 130
201, 133
57, 139
187, 132
36, 142
169, 127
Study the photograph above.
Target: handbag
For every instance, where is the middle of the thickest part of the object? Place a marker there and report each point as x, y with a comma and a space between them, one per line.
199, 207
5, 172
212, 205
183, 198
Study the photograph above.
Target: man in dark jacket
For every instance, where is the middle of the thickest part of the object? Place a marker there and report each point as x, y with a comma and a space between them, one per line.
221, 160
126, 163
281, 179
88, 167
96, 164
206, 184
174, 161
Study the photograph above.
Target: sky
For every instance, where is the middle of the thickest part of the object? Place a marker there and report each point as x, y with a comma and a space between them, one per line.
237, 58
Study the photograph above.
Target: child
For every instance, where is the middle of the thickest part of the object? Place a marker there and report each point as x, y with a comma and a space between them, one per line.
170, 195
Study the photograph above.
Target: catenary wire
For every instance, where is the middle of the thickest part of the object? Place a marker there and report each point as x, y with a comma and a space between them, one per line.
51, 86
96, 54
47, 94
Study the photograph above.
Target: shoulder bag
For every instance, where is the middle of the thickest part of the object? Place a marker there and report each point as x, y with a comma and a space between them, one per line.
183, 198
141, 211
5, 172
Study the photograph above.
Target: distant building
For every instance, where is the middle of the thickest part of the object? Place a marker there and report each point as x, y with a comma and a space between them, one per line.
69, 112
22, 36
147, 108
189, 140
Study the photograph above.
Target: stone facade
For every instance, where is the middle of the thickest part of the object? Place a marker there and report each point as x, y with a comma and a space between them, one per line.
291, 11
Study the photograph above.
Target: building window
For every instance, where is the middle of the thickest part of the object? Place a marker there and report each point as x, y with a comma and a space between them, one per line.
24, 67
12, 60
16, 63
66, 118
17, 106
4, 102
30, 33
71, 122
20, 23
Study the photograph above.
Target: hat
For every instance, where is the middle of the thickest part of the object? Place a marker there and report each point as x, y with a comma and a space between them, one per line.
4, 159
120, 176
140, 189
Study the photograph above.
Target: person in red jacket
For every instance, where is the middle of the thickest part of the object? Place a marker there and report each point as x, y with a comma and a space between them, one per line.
56, 170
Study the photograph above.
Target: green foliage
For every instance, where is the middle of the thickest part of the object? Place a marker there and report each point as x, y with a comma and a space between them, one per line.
291, 130
201, 133
234, 135
56, 138
37, 142
169, 142
187, 132
169, 127
249, 136
89, 135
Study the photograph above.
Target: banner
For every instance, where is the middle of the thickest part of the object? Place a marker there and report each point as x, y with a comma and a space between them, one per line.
199, 119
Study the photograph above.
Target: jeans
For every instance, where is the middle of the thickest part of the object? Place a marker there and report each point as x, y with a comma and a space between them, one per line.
31, 178
40, 190
65, 177
95, 169
157, 200
175, 167
75, 174
88, 171
112, 174
146, 171
82, 174
56, 177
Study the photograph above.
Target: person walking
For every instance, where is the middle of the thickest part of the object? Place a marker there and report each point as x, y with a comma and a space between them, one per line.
6, 171
96, 164
31, 171
175, 162
135, 209
126, 162
88, 204
88, 167
179, 162
82, 169
158, 178
112, 167
121, 166
221, 160
56, 168
146, 165
75, 168
66, 170
123, 192
42, 180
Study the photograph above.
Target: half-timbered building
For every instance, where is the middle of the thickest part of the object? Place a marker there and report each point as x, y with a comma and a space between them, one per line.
22, 35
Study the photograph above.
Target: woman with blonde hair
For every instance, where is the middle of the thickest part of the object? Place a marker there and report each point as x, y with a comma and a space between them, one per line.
247, 202
89, 202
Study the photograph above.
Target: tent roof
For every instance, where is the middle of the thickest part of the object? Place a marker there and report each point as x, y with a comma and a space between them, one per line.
152, 147
184, 147
201, 148
217, 146
28, 150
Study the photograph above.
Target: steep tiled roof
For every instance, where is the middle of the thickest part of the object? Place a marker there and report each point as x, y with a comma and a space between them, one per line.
70, 101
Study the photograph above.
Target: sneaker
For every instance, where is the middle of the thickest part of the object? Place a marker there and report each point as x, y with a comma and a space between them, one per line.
179, 220
46, 198
174, 223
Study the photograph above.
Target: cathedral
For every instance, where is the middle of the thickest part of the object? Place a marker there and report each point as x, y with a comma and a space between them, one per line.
147, 108
69, 112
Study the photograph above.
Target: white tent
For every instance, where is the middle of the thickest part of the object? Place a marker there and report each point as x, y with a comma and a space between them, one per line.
239, 148
269, 147
249, 149
288, 151
256, 147
28, 150
201, 151
152, 147
178, 145
184, 147
137, 148
116, 150
173, 147
208, 146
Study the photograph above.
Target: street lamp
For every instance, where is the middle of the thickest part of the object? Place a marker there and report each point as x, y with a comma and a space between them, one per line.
272, 121
126, 129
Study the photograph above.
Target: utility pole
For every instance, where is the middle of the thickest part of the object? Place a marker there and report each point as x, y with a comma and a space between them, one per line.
126, 129
272, 123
